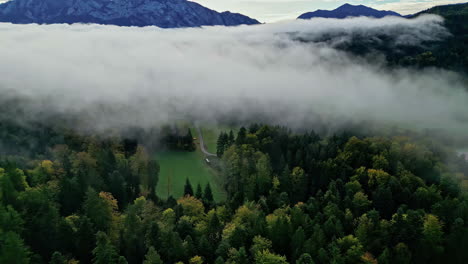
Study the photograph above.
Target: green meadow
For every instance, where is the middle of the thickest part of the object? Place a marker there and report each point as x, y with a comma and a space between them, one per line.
176, 166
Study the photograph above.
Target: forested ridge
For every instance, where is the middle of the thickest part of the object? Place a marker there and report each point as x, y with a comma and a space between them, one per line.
448, 53
292, 198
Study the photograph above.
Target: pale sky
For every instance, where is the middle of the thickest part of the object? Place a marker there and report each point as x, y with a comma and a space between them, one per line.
277, 10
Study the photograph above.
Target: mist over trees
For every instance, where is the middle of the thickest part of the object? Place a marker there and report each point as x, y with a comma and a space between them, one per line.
292, 198
282, 73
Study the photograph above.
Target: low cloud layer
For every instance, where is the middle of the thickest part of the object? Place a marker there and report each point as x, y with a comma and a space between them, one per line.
116, 77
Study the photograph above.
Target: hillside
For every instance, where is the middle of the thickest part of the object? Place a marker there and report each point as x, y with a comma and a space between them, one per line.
348, 10
161, 13
453, 52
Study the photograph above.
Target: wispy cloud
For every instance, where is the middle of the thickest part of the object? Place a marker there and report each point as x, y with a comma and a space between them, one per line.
118, 77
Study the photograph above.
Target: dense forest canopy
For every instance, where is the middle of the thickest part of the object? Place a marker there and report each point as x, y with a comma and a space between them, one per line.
292, 198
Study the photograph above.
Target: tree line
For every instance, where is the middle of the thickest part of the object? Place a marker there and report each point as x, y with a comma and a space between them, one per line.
292, 198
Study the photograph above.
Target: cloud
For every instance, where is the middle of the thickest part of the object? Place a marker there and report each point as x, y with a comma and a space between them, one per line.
118, 77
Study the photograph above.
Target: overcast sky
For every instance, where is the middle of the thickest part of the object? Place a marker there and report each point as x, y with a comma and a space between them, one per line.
275, 10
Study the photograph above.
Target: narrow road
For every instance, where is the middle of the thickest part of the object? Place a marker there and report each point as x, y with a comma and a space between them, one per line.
202, 144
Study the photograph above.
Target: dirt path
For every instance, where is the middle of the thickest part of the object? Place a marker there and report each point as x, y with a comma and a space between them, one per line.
202, 144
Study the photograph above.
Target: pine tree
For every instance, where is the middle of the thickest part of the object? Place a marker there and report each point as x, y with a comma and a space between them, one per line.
104, 252
12, 248
241, 136
153, 178
231, 138
206, 249
152, 235
152, 257
85, 239
297, 243
221, 144
199, 192
208, 194
188, 190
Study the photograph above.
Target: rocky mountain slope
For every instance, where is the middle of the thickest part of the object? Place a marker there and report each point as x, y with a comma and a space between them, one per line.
161, 13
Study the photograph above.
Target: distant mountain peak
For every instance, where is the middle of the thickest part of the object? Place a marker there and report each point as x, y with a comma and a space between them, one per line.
161, 13
348, 10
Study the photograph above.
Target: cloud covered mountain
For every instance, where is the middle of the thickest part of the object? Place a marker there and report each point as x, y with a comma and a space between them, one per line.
161, 13
348, 10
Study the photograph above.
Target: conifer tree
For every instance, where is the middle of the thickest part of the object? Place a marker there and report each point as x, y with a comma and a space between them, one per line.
208, 194
12, 248
222, 144
152, 257
241, 136
188, 190
199, 192
104, 252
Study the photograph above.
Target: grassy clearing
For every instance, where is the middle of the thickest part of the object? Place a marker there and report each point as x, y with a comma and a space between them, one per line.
176, 166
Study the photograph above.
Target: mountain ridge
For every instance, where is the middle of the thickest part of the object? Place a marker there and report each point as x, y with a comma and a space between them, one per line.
348, 10
161, 13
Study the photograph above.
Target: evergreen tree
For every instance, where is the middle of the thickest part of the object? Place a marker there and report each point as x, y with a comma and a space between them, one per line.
188, 190
205, 249
12, 248
98, 210
153, 178
297, 243
104, 252
208, 194
199, 192
152, 257
231, 138
152, 235
84, 239
222, 144
241, 136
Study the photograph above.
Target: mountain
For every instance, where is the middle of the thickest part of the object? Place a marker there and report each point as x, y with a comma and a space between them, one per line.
348, 10
161, 13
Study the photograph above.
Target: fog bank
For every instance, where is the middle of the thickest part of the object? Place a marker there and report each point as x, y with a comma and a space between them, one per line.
116, 77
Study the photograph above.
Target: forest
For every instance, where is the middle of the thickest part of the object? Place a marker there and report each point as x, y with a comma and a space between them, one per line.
449, 52
292, 197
